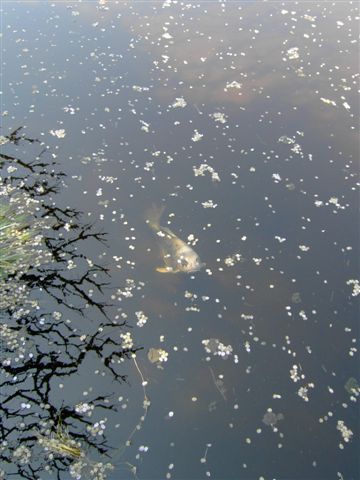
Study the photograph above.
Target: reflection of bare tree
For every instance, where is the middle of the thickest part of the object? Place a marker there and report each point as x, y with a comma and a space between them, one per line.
39, 348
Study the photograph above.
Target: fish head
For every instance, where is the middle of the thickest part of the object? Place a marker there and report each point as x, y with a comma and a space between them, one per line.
190, 263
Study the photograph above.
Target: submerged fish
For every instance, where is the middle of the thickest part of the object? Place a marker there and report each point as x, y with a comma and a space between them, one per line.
177, 255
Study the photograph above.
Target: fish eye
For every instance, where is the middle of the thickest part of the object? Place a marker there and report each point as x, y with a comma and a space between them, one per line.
183, 262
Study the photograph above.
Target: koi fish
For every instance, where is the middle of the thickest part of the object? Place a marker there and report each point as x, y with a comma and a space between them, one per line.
178, 256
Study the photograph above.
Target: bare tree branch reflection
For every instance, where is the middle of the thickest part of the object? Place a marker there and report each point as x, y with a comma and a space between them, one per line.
39, 348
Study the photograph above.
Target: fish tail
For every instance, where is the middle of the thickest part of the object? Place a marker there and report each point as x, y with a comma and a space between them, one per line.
153, 215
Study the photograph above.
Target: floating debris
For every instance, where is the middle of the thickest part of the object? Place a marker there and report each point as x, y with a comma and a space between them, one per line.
328, 102
217, 348
219, 384
179, 102
60, 133
172, 92
352, 386
203, 168
157, 355
197, 136
233, 84
296, 297
346, 433
293, 53
209, 204
141, 318
61, 443
356, 287
233, 259
271, 419
287, 140
219, 117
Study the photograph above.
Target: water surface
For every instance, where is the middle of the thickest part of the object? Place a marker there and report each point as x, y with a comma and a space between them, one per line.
242, 119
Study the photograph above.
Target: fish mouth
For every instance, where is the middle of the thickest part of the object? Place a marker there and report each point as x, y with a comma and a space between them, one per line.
196, 268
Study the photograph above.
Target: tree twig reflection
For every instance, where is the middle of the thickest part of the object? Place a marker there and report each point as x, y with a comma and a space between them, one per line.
40, 348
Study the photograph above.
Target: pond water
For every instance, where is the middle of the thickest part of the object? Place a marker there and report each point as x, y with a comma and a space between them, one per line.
240, 121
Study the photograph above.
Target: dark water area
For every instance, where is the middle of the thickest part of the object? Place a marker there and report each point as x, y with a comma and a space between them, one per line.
241, 119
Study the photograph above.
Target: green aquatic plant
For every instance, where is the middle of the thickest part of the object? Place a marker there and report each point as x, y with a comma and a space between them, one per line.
60, 442
21, 244
17, 241
16, 237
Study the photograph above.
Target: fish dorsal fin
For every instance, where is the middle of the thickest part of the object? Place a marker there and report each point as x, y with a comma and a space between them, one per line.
153, 215
168, 232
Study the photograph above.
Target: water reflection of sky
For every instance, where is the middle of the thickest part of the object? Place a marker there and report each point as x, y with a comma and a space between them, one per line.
287, 208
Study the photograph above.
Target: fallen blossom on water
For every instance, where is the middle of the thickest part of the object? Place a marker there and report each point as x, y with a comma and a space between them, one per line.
219, 117
197, 136
58, 133
345, 431
293, 53
328, 102
209, 204
179, 102
142, 318
233, 84
157, 355
127, 341
356, 287
217, 348
204, 167
303, 391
